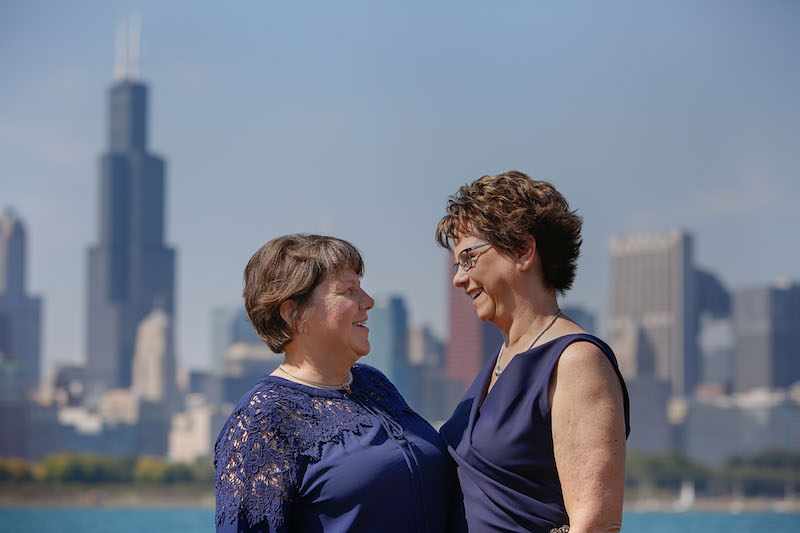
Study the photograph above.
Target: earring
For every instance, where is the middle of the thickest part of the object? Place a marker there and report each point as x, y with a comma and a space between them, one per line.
303, 330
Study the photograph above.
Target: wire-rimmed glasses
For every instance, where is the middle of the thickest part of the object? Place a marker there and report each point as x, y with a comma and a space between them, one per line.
465, 260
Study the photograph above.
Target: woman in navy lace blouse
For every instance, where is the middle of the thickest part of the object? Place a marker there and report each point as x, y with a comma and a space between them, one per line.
322, 443
539, 438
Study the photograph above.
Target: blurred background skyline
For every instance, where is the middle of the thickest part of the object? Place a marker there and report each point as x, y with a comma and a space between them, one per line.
359, 120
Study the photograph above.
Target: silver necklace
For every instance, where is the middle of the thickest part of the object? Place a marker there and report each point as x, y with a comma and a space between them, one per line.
498, 371
345, 386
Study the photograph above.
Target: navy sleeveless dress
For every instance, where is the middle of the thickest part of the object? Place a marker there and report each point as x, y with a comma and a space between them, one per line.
503, 448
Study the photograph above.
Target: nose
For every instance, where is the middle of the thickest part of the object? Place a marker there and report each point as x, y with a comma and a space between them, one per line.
366, 301
460, 278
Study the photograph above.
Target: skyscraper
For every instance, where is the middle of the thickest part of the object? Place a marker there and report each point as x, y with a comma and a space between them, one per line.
767, 325
20, 314
153, 369
653, 300
131, 271
388, 339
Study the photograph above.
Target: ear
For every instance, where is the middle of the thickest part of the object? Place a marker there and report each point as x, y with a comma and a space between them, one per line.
288, 310
526, 256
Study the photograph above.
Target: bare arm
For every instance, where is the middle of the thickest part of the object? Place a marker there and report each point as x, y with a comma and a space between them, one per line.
589, 438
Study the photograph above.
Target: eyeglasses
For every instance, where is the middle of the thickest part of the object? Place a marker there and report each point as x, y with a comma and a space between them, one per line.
466, 261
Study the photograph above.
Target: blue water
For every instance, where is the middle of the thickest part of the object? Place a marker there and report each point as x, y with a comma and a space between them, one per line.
41, 520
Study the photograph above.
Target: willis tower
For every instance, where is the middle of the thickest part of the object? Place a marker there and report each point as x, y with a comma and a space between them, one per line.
131, 271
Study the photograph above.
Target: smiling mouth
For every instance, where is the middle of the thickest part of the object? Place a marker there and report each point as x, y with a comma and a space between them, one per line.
360, 324
475, 294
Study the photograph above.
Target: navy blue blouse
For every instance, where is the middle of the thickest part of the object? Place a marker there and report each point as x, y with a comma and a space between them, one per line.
298, 458
503, 447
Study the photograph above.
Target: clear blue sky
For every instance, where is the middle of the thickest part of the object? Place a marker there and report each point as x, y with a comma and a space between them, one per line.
360, 118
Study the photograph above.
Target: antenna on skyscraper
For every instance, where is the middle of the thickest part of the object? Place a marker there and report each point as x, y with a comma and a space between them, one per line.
127, 65
134, 47
121, 54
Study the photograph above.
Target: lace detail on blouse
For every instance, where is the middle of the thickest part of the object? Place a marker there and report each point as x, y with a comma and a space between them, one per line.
377, 387
259, 450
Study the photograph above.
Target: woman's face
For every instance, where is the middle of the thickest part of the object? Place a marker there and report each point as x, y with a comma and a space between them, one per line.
486, 281
338, 321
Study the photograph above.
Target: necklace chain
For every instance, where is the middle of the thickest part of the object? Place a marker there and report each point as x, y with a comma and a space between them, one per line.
498, 370
345, 385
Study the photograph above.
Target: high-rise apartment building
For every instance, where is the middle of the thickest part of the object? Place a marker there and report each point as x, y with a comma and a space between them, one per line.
388, 339
653, 302
20, 313
153, 368
767, 329
131, 270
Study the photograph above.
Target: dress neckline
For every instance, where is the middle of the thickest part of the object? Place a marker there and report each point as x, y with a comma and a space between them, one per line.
313, 391
486, 377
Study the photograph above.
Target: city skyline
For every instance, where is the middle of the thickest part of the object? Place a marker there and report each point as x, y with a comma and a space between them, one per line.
692, 128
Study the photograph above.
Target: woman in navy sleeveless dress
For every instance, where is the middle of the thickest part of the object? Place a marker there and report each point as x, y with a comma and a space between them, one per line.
323, 444
539, 438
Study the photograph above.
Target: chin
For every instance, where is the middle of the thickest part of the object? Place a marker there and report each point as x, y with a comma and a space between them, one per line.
362, 353
485, 317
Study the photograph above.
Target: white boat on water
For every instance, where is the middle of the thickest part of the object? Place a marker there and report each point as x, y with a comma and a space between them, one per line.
686, 497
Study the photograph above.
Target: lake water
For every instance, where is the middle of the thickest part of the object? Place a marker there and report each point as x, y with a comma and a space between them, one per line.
41, 520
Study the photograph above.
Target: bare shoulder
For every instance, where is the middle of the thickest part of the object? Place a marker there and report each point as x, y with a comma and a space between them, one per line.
584, 370
584, 357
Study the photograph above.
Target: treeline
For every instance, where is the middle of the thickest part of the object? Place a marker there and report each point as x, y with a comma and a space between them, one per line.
772, 473
82, 468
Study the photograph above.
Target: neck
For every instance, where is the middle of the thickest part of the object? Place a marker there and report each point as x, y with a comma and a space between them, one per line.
317, 367
529, 315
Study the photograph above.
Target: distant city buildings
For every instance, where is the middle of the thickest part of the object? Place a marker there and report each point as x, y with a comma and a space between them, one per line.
653, 300
431, 393
122, 401
229, 325
154, 372
14, 436
424, 347
684, 342
717, 427
767, 323
131, 269
388, 339
20, 313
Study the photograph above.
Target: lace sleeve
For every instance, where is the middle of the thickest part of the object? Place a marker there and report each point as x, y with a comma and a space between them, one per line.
256, 464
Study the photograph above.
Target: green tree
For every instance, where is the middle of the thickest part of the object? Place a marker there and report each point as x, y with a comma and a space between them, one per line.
15, 469
150, 470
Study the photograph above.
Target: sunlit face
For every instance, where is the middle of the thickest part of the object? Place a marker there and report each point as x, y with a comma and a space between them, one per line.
338, 321
486, 282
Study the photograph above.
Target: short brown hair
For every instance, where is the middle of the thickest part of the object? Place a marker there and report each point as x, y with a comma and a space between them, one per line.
289, 268
505, 209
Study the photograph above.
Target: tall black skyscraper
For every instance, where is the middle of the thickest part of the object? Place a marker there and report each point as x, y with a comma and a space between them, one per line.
130, 270
20, 313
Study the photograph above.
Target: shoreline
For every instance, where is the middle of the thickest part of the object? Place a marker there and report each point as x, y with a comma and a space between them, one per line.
107, 496
723, 504
193, 496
